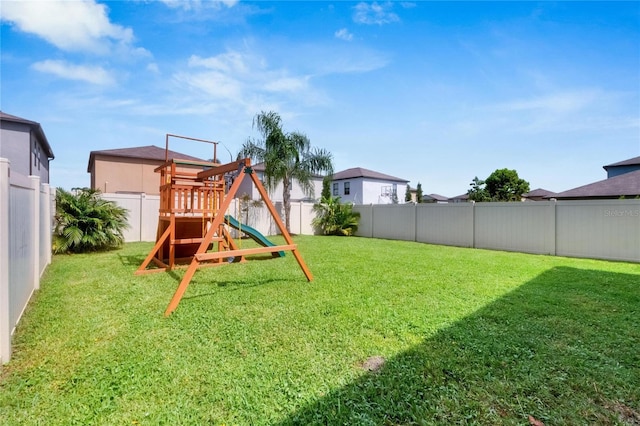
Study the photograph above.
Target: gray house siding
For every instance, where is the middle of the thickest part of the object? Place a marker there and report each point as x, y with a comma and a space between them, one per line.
20, 144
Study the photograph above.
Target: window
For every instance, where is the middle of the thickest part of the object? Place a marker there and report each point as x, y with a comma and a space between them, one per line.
335, 189
36, 155
347, 188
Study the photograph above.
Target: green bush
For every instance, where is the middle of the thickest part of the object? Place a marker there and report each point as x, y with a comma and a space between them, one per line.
335, 218
85, 222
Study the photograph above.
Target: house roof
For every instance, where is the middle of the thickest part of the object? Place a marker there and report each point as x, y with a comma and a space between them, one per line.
539, 193
464, 196
635, 161
35, 127
627, 184
150, 152
438, 197
359, 172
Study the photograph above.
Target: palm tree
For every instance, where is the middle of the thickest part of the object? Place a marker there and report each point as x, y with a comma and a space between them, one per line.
286, 156
335, 218
86, 222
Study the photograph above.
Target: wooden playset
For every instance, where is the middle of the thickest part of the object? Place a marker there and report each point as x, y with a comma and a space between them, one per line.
193, 227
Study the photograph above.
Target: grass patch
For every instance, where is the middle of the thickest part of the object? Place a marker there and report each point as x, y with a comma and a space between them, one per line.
465, 336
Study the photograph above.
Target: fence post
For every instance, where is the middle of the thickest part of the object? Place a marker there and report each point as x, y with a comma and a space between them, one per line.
47, 222
473, 223
553, 235
415, 222
141, 218
35, 226
5, 328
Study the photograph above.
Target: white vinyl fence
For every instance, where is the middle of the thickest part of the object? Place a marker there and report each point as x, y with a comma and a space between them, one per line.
143, 216
602, 229
26, 215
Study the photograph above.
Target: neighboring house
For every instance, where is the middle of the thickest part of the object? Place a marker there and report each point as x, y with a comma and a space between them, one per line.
131, 170
622, 167
626, 185
435, 198
247, 187
25, 145
363, 186
464, 198
538, 195
623, 182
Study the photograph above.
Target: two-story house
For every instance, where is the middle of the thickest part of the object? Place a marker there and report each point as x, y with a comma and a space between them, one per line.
363, 186
25, 145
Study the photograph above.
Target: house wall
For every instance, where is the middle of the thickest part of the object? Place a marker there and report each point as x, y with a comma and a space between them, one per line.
117, 174
15, 145
20, 146
120, 174
364, 191
620, 170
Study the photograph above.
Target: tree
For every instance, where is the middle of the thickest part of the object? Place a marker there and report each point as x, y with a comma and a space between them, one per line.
419, 195
501, 185
85, 222
335, 218
506, 185
286, 156
326, 187
478, 192
407, 194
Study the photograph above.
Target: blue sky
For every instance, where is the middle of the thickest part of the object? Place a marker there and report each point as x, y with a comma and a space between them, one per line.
431, 92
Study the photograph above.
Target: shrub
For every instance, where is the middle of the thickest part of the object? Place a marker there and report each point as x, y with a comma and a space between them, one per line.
85, 222
335, 218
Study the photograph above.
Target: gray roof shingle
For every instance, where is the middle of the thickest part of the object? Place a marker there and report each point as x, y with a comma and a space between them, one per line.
627, 185
359, 172
635, 161
150, 152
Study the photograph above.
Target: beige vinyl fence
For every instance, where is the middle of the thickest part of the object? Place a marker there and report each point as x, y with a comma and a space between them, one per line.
26, 218
602, 229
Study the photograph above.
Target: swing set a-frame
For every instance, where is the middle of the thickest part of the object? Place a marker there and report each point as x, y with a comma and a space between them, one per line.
193, 230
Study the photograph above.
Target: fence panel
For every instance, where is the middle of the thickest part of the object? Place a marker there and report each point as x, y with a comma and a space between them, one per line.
607, 229
394, 221
365, 226
21, 254
523, 227
25, 246
447, 224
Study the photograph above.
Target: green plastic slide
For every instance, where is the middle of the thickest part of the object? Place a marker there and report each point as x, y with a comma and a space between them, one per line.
252, 233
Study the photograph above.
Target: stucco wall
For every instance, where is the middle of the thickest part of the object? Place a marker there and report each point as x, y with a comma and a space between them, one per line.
119, 174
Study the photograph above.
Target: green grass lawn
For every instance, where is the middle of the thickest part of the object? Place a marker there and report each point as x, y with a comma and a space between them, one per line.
468, 336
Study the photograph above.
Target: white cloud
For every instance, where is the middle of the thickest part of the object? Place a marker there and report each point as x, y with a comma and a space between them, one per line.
287, 84
90, 74
558, 103
343, 34
153, 67
69, 25
197, 4
374, 13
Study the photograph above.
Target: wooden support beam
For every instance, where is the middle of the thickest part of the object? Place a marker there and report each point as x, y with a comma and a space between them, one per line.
281, 227
242, 252
225, 168
153, 252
